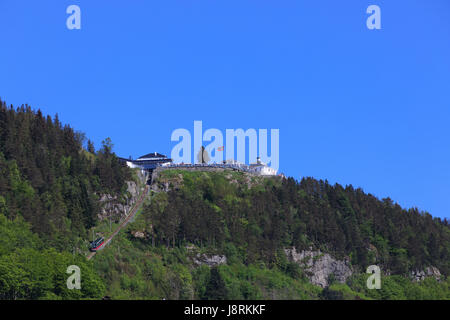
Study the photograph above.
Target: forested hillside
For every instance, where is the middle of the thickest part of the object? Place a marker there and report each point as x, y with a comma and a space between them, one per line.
222, 235
48, 178
201, 235
281, 213
49, 192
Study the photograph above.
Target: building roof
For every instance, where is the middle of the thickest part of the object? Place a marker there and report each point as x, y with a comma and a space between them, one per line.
152, 155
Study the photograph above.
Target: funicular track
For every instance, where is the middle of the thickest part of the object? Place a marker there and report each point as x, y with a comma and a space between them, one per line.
133, 212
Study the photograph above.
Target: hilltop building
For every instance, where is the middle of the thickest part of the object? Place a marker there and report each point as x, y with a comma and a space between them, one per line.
148, 162
261, 168
235, 163
151, 161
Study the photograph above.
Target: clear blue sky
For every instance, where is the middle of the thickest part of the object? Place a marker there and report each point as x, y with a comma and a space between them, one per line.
355, 106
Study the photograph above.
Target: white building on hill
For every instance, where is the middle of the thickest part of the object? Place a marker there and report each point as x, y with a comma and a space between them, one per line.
148, 162
261, 168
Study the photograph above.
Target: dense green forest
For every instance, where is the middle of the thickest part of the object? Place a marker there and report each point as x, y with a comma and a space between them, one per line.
49, 190
51, 180
250, 222
280, 213
48, 178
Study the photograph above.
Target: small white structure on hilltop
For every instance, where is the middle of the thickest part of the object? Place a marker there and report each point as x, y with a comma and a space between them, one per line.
234, 163
261, 168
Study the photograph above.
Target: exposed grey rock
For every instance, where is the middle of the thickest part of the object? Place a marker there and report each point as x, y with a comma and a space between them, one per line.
138, 234
112, 208
420, 275
211, 261
165, 184
133, 189
319, 266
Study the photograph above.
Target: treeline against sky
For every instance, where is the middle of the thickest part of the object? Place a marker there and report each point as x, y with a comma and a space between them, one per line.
48, 178
49, 198
260, 222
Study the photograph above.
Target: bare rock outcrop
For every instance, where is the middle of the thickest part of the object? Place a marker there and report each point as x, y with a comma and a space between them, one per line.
420, 275
320, 266
112, 207
163, 184
210, 260
139, 234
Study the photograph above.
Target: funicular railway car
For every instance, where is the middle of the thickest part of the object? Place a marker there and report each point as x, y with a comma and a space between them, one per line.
96, 244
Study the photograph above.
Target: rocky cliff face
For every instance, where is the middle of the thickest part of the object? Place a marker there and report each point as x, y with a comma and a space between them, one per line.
210, 260
118, 209
165, 184
419, 275
320, 266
